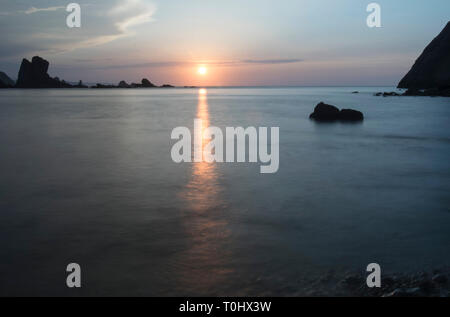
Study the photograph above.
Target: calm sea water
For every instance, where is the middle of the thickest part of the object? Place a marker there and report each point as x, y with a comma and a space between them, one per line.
87, 177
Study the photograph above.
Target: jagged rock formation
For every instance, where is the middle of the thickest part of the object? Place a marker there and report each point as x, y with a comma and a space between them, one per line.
5, 81
328, 113
34, 75
432, 68
123, 84
146, 83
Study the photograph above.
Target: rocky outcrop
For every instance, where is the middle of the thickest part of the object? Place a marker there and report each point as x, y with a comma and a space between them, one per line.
123, 84
328, 113
145, 83
5, 81
432, 68
351, 115
34, 75
324, 112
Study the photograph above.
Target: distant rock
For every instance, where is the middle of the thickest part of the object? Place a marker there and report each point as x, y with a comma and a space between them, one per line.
328, 113
80, 85
123, 84
5, 81
432, 68
34, 75
167, 86
387, 94
355, 92
147, 84
102, 86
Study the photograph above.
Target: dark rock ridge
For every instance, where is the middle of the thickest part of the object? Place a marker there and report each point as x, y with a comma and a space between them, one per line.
431, 92
34, 75
328, 113
432, 69
5, 81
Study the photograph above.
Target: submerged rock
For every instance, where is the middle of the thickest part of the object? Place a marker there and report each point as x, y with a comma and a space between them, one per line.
328, 113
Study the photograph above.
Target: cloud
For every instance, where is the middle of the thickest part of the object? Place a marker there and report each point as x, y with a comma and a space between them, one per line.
273, 61
34, 10
243, 62
105, 23
127, 14
132, 13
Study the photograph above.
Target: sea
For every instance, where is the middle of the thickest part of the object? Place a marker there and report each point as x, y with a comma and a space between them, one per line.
87, 177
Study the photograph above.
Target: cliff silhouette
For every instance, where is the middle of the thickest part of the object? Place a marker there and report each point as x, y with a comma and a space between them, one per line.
34, 74
431, 70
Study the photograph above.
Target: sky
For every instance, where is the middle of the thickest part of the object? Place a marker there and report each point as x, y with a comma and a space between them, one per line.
239, 42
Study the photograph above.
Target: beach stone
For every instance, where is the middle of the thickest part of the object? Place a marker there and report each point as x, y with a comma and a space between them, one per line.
353, 281
401, 292
440, 279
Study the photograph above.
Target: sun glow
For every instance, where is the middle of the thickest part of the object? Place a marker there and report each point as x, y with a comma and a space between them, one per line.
202, 70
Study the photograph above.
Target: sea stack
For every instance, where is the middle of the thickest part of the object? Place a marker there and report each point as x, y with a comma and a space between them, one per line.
34, 75
329, 113
431, 71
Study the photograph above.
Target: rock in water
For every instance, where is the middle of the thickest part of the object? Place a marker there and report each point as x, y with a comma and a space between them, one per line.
34, 75
5, 81
432, 68
147, 84
328, 113
123, 84
324, 112
351, 115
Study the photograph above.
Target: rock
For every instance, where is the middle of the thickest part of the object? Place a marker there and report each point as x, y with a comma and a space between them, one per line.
328, 113
440, 279
401, 292
353, 281
146, 83
355, 92
432, 68
80, 85
101, 86
167, 86
34, 75
390, 94
5, 81
324, 112
123, 84
350, 115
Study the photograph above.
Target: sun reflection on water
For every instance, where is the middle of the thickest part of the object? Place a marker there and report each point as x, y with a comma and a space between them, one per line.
205, 261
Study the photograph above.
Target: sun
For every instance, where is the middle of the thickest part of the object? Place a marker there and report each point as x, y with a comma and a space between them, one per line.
202, 70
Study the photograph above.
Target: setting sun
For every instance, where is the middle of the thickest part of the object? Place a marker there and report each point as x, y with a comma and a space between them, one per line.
202, 70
